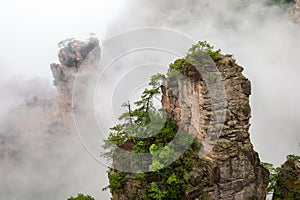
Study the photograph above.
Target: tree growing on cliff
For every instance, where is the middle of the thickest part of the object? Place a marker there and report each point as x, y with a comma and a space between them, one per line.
277, 182
136, 122
142, 127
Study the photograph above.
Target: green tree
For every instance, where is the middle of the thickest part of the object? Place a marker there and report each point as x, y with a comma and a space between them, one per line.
142, 122
141, 126
275, 179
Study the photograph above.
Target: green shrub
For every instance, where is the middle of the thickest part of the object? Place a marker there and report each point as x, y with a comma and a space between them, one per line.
117, 181
202, 48
156, 193
198, 57
292, 157
275, 179
81, 197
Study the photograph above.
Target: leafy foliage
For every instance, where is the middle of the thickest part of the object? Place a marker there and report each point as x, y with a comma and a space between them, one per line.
275, 179
136, 122
182, 66
141, 126
273, 176
143, 121
292, 157
198, 57
202, 48
156, 193
81, 197
116, 181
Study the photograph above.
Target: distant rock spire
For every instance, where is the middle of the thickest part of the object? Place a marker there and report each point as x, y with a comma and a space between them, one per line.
74, 55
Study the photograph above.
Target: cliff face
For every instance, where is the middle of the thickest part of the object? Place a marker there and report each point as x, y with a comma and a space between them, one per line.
234, 167
215, 110
230, 170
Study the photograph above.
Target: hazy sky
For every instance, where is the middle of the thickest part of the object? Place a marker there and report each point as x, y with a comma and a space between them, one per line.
263, 40
31, 30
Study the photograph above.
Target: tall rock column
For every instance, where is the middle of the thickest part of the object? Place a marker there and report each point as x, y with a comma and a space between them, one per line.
232, 169
75, 57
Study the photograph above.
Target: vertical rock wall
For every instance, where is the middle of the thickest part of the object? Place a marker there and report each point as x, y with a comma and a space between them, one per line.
232, 169
213, 106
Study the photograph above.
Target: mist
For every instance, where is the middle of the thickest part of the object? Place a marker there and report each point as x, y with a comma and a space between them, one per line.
39, 165
264, 41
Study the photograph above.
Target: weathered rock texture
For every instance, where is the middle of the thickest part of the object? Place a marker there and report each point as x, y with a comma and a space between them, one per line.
234, 167
74, 58
231, 169
288, 184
